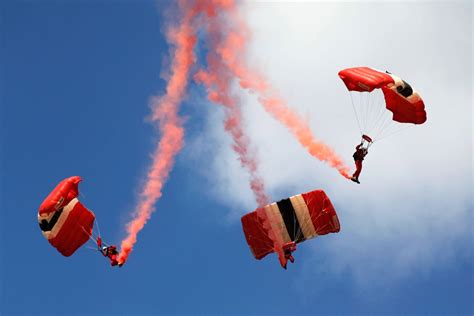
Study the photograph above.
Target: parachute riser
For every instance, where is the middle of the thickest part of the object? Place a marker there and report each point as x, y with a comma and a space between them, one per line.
366, 141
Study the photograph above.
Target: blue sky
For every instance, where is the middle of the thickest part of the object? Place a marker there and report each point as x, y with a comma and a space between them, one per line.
76, 77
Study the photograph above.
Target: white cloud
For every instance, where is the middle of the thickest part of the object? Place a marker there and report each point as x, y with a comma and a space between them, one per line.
414, 205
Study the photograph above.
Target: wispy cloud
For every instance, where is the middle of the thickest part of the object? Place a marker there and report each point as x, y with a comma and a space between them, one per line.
413, 210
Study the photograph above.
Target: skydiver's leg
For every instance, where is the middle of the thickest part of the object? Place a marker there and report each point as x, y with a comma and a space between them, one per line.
283, 261
358, 169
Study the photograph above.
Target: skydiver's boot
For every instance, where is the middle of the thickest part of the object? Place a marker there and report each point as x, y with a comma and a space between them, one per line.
291, 259
355, 179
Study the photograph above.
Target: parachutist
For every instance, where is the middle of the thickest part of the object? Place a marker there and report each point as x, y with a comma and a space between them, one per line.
385, 104
109, 252
359, 155
68, 224
288, 249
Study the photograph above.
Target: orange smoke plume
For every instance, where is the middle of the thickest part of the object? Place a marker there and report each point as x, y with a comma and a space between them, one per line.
228, 37
165, 112
231, 51
217, 80
303, 134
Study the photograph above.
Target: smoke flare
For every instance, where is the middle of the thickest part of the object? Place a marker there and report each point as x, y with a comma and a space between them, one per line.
165, 113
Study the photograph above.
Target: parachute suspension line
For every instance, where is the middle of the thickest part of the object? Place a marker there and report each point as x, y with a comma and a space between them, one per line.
376, 109
355, 112
385, 121
372, 117
300, 230
91, 237
360, 110
91, 248
367, 110
396, 131
316, 219
98, 227
389, 126
381, 110
370, 111
364, 111
378, 127
94, 237
305, 224
363, 104
388, 129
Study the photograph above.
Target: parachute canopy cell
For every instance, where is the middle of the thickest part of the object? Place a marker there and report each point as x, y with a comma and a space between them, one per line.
64, 221
406, 104
296, 219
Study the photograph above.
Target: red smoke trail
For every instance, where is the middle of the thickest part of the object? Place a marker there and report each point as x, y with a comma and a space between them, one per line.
232, 52
303, 134
218, 80
165, 113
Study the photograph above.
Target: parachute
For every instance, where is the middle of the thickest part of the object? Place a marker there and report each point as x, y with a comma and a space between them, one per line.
64, 221
273, 227
382, 101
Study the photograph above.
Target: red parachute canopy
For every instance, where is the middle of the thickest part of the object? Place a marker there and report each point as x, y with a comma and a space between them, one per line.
64, 221
405, 104
296, 219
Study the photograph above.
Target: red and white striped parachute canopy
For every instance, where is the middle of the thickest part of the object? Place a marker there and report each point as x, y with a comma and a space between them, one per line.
64, 221
296, 219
